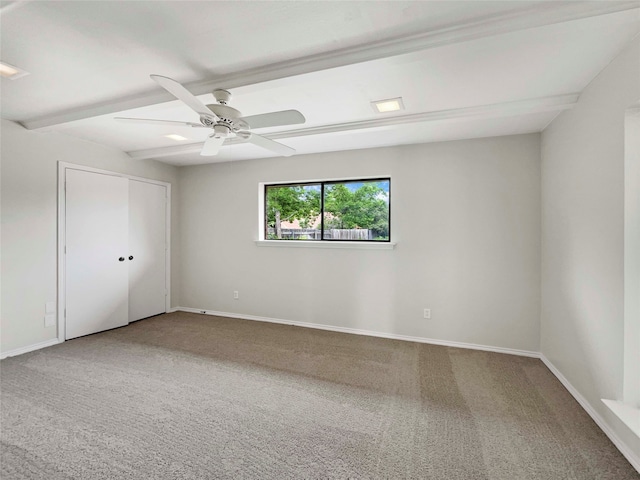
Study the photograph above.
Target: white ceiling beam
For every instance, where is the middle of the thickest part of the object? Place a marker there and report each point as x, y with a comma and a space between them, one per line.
547, 13
553, 103
166, 151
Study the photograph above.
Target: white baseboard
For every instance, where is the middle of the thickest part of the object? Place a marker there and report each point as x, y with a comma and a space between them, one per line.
633, 459
620, 445
370, 333
48, 343
29, 348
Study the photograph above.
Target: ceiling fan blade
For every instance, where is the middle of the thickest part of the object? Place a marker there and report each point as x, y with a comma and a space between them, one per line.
157, 122
275, 119
269, 144
177, 90
211, 146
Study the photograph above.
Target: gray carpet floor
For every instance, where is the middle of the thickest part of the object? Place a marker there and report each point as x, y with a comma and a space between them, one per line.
186, 396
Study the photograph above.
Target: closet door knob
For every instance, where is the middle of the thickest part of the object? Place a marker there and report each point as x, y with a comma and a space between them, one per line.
121, 259
130, 257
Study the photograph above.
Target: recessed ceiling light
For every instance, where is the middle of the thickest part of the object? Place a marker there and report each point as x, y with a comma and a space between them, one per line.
177, 138
11, 72
388, 105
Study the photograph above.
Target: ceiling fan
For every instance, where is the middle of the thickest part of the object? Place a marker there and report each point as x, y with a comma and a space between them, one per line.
225, 121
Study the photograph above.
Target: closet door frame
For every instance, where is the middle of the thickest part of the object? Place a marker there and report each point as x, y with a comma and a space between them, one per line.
62, 174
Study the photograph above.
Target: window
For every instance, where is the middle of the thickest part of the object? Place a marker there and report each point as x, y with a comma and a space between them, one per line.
345, 210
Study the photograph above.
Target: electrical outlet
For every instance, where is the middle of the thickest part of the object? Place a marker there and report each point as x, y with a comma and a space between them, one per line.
50, 320
427, 313
236, 294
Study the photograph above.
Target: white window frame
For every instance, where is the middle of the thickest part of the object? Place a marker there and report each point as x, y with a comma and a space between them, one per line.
362, 245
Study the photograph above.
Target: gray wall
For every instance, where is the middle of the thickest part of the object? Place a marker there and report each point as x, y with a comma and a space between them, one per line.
29, 173
465, 214
582, 320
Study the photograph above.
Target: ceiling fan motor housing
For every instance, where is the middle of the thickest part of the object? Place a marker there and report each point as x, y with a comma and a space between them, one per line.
226, 114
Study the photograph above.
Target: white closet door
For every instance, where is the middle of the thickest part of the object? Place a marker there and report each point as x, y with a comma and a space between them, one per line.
147, 244
96, 237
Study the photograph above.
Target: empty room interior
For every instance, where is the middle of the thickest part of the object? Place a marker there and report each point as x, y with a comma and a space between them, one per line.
320, 239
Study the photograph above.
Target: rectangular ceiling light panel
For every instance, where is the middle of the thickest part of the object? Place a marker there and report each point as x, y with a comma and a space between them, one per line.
176, 137
11, 72
388, 105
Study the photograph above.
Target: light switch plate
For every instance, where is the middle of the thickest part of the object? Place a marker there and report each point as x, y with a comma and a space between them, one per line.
50, 307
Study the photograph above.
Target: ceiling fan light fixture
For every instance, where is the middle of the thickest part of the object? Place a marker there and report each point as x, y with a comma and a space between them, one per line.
11, 72
176, 137
221, 131
388, 105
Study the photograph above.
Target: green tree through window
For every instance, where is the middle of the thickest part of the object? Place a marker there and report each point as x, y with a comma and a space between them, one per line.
345, 210
358, 207
290, 203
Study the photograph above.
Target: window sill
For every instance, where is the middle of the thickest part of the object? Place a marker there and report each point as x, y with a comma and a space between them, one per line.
629, 415
326, 244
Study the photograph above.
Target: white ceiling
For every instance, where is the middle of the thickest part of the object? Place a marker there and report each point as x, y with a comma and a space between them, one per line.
464, 69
